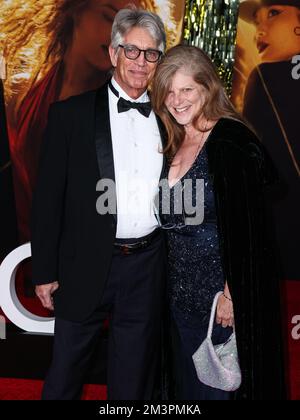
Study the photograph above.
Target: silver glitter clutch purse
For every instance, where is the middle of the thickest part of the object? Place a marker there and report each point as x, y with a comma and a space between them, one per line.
218, 366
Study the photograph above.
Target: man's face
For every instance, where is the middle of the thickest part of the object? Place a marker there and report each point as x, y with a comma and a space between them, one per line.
275, 37
134, 76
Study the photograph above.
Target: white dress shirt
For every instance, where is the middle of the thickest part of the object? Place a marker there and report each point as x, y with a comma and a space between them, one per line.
138, 161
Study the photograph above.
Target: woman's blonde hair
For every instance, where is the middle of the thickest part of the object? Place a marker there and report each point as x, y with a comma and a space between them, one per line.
195, 62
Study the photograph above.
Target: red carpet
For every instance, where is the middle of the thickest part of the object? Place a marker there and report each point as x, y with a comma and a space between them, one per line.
21, 389
18, 389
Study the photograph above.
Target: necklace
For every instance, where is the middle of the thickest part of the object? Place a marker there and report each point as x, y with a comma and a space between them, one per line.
187, 164
201, 142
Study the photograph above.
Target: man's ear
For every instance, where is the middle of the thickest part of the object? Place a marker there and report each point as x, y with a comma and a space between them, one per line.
113, 53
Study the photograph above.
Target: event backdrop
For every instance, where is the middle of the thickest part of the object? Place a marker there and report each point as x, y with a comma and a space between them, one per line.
266, 89
211, 25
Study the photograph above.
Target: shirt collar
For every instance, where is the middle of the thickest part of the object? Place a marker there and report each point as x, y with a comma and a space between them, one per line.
143, 98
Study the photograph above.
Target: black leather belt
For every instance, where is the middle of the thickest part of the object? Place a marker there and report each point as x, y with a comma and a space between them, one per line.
130, 246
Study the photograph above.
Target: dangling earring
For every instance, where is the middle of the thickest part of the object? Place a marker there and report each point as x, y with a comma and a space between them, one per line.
297, 30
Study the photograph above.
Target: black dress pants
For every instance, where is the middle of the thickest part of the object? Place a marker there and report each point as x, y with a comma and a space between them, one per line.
133, 300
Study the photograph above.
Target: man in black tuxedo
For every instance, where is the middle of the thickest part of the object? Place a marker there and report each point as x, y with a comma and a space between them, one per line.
90, 260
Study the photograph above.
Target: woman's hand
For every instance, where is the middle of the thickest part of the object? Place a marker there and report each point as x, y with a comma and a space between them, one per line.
224, 313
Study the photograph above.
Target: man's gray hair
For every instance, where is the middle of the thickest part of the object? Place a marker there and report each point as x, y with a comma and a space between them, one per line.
126, 19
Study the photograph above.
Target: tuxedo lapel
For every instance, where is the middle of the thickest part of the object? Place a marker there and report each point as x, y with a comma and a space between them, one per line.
164, 137
103, 139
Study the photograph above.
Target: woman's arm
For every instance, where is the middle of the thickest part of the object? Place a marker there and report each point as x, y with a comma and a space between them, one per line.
225, 314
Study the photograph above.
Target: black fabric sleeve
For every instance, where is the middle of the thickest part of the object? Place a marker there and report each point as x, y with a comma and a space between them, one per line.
48, 201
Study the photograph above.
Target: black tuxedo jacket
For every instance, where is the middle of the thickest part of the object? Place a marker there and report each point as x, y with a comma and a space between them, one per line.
71, 242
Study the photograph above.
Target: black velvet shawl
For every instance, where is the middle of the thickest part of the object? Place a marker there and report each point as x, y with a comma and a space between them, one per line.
242, 173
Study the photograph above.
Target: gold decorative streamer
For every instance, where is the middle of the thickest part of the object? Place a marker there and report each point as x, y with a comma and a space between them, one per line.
211, 25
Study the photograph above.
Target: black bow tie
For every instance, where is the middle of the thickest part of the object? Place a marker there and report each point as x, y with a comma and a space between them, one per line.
143, 107
123, 105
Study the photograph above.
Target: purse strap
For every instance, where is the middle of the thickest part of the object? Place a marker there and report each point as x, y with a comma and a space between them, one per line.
212, 314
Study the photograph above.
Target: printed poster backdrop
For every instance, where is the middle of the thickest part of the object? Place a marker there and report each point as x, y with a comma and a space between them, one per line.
266, 89
53, 49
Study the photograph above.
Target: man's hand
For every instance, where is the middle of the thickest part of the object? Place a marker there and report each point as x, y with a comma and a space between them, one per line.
44, 292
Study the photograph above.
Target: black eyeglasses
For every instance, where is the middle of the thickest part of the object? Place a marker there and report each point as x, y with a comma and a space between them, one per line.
132, 53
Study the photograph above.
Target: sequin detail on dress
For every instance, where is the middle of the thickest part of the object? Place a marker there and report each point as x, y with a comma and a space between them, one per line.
194, 261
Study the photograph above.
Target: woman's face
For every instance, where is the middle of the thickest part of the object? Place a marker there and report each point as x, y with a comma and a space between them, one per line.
93, 29
185, 98
275, 37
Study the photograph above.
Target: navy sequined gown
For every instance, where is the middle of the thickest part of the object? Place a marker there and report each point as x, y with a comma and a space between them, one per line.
195, 275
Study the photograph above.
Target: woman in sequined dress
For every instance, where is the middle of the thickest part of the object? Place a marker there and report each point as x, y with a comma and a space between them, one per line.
218, 243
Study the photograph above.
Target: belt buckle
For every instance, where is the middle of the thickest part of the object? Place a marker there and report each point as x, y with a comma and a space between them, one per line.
126, 250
